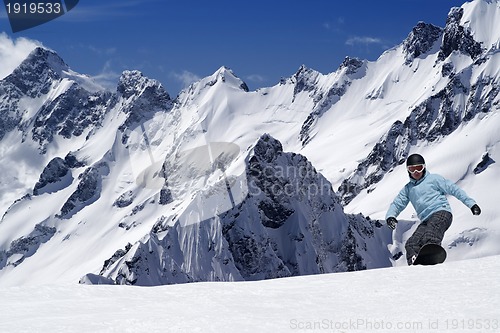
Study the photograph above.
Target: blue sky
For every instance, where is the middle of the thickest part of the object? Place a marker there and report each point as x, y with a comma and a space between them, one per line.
177, 42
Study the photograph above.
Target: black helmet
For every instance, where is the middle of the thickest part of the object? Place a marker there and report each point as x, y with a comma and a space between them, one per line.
415, 159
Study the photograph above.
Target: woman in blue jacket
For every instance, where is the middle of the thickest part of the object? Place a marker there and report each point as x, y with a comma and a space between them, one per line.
427, 193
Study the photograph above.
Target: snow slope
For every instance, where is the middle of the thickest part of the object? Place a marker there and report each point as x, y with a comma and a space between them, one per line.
459, 296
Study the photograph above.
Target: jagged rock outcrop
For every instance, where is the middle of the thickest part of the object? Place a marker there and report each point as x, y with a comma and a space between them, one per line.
420, 40
70, 114
76, 105
142, 97
457, 38
33, 78
88, 190
486, 161
36, 74
54, 172
26, 246
145, 96
304, 80
124, 200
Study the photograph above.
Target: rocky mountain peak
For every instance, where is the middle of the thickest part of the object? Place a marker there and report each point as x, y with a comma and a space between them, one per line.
135, 83
223, 75
420, 40
352, 64
35, 74
224, 72
304, 72
457, 38
226, 75
144, 95
267, 148
304, 79
48, 58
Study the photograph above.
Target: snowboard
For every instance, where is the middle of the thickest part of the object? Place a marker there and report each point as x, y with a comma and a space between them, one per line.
430, 254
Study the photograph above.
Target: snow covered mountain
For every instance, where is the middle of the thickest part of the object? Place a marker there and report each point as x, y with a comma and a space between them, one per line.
223, 183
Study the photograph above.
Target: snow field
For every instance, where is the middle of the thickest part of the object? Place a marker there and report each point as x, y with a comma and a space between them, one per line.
459, 296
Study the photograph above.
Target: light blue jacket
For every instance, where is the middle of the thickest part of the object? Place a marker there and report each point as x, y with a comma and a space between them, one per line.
428, 195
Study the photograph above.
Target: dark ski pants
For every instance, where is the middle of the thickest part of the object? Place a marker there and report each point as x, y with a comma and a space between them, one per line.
430, 231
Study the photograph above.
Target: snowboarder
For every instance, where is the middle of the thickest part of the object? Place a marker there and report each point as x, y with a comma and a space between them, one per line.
427, 193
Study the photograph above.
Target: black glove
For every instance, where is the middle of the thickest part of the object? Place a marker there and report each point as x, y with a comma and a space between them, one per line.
475, 209
391, 222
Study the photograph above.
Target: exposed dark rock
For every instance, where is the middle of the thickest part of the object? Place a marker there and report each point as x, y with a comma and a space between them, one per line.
166, 196
72, 162
352, 64
87, 192
420, 40
35, 75
32, 78
117, 255
70, 114
486, 161
55, 170
26, 246
447, 70
145, 97
304, 80
124, 200
457, 38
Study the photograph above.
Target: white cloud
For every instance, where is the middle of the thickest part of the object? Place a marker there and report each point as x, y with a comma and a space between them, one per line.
256, 78
107, 78
357, 40
13, 52
102, 51
186, 77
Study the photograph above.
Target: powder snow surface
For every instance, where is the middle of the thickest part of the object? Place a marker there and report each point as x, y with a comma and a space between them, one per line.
460, 296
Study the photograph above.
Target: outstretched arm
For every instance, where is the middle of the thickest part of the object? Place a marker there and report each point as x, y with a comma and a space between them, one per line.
399, 203
449, 187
